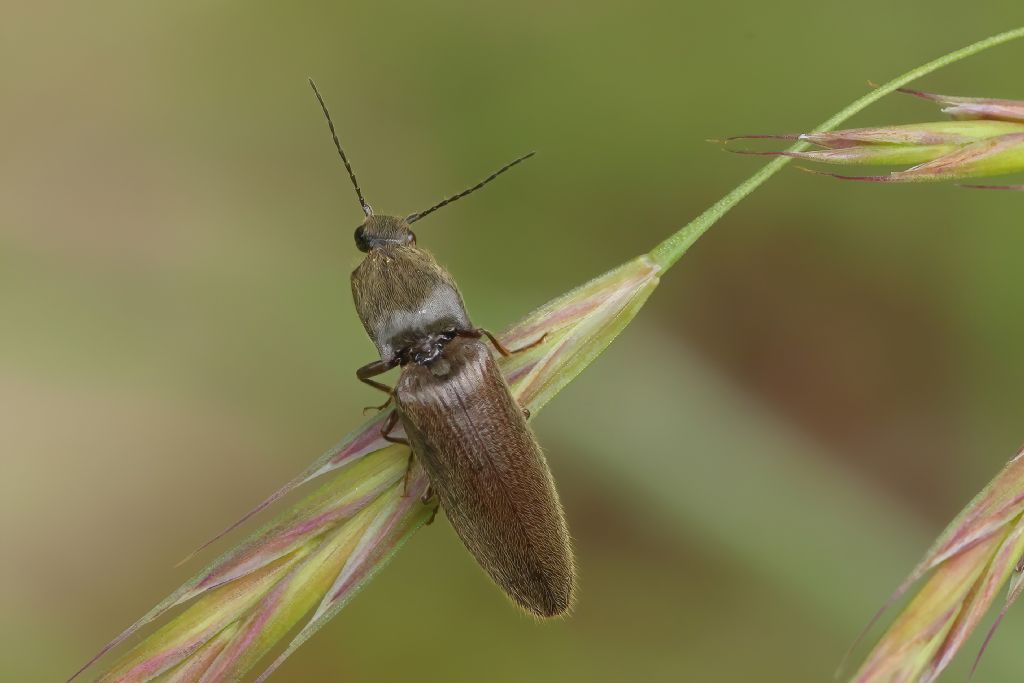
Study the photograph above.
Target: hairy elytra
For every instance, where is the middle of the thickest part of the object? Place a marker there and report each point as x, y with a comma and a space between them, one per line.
463, 425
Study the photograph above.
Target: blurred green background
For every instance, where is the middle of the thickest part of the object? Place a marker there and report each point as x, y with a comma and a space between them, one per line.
811, 394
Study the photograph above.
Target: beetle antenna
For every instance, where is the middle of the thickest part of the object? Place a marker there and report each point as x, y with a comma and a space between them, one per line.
337, 143
413, 217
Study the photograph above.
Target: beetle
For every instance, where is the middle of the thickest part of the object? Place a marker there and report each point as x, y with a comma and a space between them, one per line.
461, 421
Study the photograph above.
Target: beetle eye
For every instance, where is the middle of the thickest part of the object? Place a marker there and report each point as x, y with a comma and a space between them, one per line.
362, 243
411, 239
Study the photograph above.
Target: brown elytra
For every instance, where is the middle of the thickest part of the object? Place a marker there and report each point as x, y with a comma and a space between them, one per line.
489, 473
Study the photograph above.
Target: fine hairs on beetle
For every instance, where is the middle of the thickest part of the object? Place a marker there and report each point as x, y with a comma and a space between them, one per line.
460, 420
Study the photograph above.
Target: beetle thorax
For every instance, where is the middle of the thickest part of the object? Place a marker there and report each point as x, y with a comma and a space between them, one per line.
404, 298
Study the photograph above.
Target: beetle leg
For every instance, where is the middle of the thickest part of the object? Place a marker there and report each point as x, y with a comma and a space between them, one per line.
379, 408
377, 367
433, 514
427, 497
385, 432
389, 424
373, 369
502, 349
409, 474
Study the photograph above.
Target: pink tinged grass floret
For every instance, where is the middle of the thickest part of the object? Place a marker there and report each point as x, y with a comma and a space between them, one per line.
963, 573
986, 139
301, 569
992, 157
974, 107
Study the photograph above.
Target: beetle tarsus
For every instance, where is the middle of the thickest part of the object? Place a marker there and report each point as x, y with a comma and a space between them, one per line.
379, 408
433, 515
